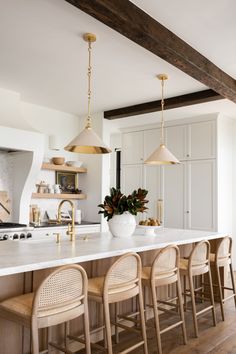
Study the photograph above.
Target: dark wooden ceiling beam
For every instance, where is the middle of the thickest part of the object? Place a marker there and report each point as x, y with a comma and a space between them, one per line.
129, 20
170, 103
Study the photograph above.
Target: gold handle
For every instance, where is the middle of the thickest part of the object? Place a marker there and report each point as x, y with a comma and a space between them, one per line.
68, 232
58, 237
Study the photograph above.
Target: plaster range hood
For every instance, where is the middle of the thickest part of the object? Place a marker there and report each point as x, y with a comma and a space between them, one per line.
26, 149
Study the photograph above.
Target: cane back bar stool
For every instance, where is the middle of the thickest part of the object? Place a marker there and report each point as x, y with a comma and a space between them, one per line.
122, 282
165, 271
222, 259
61, 297
197, 264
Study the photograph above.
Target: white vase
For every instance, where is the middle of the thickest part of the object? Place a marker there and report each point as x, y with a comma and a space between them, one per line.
122, 225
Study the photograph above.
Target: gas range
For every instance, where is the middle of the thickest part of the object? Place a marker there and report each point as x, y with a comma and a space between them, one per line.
15, 232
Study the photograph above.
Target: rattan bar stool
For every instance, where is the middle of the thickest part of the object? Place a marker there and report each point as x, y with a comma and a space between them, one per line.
165, 271
61, 297
198, 263
121, 282
222, 259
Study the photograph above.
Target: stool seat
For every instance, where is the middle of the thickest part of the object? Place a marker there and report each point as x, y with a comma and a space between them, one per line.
164, 273
183, 264
18, 307
96, 285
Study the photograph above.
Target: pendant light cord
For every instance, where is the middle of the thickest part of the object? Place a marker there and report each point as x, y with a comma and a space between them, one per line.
162, 112
88, 123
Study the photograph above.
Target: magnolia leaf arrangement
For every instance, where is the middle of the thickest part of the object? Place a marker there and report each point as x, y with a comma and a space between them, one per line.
117, 203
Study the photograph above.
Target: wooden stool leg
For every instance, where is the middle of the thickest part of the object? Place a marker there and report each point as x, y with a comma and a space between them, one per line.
233, 282
116, 321
212, 298
86, 329
35, 338
220, 292
49, 334
191, 288
156, 318
67, 331
181, 310
184, 292
142, 318
107, 327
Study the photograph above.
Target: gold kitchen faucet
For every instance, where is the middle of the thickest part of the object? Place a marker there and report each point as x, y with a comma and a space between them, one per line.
71, 227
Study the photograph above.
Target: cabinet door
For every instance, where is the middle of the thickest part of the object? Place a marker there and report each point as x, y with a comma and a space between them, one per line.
132, 148
174, 195
151, 141
201, 195
152, 182
176, 141
202, 140
132, 178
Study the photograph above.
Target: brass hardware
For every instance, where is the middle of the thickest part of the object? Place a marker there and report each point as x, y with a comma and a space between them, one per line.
71, 228
162, 77
89, 37
85, 238
58, 237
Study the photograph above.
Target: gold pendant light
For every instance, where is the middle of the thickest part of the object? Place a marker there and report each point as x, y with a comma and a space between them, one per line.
162, 156
88, 142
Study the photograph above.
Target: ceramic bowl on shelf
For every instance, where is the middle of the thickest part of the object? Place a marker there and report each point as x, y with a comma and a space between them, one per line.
149, 230
58, 160
74, 163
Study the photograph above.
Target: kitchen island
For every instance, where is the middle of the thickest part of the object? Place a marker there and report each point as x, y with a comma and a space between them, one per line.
24, 264
31, 255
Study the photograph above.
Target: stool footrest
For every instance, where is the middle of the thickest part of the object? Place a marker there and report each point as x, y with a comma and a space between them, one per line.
121, 325
171, 327
132, 348
59, 347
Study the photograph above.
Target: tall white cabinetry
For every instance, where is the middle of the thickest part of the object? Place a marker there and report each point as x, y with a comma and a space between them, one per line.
188, 190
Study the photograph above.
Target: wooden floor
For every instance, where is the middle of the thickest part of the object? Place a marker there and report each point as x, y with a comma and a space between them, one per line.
212, 340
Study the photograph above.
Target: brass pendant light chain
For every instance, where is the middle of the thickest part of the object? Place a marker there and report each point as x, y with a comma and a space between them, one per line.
162, 111
88, 125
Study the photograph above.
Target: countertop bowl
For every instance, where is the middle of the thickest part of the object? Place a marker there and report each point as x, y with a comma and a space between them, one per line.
74, 163
58, 160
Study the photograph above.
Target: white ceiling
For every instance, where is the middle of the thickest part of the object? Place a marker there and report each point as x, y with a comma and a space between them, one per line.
44, 57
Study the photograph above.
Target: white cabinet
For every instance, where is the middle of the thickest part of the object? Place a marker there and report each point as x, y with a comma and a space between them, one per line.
176, 141
202, 140
132, 178
174, 191
190, 195
132, 148
151, 141
201, 195
188, 190
152, 181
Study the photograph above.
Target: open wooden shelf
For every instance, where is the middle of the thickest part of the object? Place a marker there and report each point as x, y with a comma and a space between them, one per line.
52, 167
59, 196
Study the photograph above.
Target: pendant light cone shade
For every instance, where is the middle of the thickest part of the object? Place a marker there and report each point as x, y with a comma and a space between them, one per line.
88, 142
162, 156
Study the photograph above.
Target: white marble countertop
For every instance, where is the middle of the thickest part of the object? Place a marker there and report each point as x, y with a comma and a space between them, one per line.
29, 255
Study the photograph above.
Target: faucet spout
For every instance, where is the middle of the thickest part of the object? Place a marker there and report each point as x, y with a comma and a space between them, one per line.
71, 228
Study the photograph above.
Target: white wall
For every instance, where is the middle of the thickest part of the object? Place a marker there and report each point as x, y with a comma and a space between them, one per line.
18, 114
